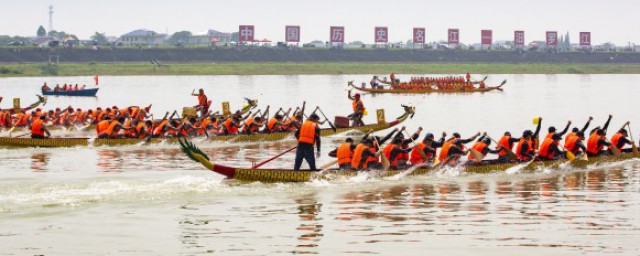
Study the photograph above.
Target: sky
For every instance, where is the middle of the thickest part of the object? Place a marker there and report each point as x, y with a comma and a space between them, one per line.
608, 21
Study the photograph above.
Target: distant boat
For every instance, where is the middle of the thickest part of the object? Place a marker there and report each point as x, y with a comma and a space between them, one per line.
91, 92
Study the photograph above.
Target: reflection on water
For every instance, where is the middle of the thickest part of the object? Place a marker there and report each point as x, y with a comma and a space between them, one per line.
39, 161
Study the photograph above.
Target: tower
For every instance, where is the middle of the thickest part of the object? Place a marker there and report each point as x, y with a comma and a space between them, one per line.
50, 17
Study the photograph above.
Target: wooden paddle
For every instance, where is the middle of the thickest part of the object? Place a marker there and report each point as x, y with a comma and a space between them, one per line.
385, 160
569, 155
476, 154
330, 123
614, 149
634, 148
512, 155
273, 158
329, 164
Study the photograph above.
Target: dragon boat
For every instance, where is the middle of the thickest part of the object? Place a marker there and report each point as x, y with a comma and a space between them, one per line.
80, 142
289, 175
91, 92
389, 82
430, 90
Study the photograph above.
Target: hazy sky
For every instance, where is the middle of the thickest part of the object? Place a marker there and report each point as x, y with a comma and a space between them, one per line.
608, 21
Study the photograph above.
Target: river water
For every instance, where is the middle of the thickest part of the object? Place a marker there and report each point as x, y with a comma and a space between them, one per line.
151, 200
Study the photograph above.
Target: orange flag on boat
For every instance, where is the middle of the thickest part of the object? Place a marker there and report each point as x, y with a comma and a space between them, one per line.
95, 78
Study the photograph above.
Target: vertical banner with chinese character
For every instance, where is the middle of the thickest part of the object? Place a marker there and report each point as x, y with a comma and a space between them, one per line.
454, 36
381, 34
419, 35
246, 33
552, 38
336, 34
486, 37
585, 38
518, 38
292, 34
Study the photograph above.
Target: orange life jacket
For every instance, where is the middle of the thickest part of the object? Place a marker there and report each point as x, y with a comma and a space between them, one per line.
202, 100
159, 130
416, 157
545, 147
570, 144
128, 133
505, 141
308, 132
444, 151
24, 120
81, 116
139, 128
519, 148
231, 129
387, 152
344, 154
102, 127
593, 147
36, 127
271, 125
569, 136
616, 139
478, 146
113, 131
355, 105
357, 157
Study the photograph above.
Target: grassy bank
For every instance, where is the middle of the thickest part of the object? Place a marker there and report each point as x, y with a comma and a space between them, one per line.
86, 69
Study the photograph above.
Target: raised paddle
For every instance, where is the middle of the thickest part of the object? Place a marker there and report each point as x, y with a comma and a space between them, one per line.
634, 149
330, 123
273, 158
512, 155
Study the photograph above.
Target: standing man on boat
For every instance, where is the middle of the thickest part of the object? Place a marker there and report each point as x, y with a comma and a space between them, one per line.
39, 129
358, 109
203, 102
468, 77
308, 135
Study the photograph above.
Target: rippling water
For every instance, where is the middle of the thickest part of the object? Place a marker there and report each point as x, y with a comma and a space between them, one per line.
151, 200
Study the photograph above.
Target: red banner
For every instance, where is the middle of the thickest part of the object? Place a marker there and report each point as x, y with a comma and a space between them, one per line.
518, 38
454, 36
552, 38
585, 38
292, 34
246, 33
486, 37
381, 34
419, 35
336, 34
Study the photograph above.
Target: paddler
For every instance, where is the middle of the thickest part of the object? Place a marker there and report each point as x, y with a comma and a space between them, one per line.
203, 102
428, 146
39, 128
451, 151
575, 144
274, 124
376, 145
358, 109
115, 126
344, 153
575, 130
525, 150
394, 152
252, 125
308, 135
362, 153
232, 126
620, 139
143, 129
482, 146
506, 142
597, 141
550, 148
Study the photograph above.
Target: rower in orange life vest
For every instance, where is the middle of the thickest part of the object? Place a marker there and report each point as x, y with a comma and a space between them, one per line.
373, 162
203, 102
575, 144
308, 135
274, 124
619, 140
451, 151
115, 126
344, 153
362, 153
550, 148
232, 126
39, 128
358, 109
505, 142
482, 146
428, 146
525, 150
575, 130
597, 140
394, 152
403, 157
552, 131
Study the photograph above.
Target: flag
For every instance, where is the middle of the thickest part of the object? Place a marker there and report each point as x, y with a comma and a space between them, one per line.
95, 78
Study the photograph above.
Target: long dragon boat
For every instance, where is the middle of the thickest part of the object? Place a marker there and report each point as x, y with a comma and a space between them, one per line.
426, 91
388, 82
41, 101
288, 175
80, 142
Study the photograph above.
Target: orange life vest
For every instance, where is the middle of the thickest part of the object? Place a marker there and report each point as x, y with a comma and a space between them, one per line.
357, 157
593, 146
505, 141
308, 132
569, 136
416, 157
519, 148
128, 133
112, 131
344, 154
479, 146
202, 100
545, 147
271, 125
616, 139
102, 127
139, 128
159, 130
444, 151
570, 144
231, 129
387, 152
36, 127
550, 135
355, 105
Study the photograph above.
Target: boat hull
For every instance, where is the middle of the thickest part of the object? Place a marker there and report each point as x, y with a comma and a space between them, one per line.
79, 93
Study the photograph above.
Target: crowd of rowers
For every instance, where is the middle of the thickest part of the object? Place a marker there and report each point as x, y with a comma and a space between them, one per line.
425, 83
366, 154
65, 87
136, 122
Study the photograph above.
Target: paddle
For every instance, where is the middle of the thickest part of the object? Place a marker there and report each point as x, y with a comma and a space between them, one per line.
22, 135
569, 155
330, 123
328, 164
476, 154
614, 149
273, 158
512, 155
634, 149
385, 160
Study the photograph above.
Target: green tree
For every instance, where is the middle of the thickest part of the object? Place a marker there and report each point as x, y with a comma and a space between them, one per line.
235, 37
41, 31
58, 35
100, 38
181, 37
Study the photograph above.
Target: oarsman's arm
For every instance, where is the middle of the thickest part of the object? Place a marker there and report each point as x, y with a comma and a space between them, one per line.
317, 138
623, 141
429, 150
487, 150
397, 151
334, 153
349, 96
514, 140
554, 148
383, 140
580, 145
537, 132
586, 126
366, 155
604, 142
455, 150
566, 129
470, 139
606, 125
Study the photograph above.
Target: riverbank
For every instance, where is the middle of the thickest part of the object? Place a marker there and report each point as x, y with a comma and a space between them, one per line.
327, 68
